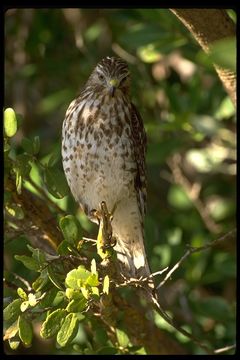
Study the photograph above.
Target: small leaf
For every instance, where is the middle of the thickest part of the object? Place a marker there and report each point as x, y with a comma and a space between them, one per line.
38, 255
12, 310
73, 294
106, 283
64, 248
23, 165
36, 145
25, 330
70, 229
95, 291
22, 293
52, 323
47, 300
28, 262
93, 266
55, 182
122, 338
10, 122
68, 330
92, 280
41, 281
11, 331
85, 292
24, 306
54, 158
77, 305
77, 277
27, 145
54, 278
14, 343
18, 182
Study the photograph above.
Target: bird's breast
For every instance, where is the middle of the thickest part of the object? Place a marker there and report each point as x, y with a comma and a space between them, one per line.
98, 153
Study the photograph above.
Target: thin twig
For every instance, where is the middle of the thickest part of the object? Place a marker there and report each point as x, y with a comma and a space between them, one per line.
191, 250
24, 281
226, 348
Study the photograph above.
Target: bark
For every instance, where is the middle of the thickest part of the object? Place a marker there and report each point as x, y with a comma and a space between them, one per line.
38, 224
208, 26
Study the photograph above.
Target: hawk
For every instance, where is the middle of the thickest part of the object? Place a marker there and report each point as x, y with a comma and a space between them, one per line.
103, 154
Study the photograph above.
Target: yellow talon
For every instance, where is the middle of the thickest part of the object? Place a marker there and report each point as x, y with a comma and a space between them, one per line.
105, 240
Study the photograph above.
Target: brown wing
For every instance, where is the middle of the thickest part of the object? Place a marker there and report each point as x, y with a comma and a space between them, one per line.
139, 143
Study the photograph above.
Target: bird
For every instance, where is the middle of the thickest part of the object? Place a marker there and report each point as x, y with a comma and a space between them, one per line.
103, 156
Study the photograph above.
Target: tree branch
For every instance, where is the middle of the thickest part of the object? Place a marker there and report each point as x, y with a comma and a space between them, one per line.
208, 26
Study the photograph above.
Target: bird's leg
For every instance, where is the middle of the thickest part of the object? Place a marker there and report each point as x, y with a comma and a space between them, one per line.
105, 240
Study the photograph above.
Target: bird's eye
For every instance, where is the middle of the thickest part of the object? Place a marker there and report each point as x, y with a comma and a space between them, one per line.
101, 77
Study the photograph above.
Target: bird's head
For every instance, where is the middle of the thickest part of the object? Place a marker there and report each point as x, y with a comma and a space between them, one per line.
111, 75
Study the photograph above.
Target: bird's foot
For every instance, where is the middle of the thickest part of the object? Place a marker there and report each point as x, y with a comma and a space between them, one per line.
105, 239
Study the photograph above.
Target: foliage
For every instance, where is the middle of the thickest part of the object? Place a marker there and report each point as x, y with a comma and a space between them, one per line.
191, 163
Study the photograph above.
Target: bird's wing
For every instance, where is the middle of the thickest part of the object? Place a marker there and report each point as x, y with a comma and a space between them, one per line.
139, 144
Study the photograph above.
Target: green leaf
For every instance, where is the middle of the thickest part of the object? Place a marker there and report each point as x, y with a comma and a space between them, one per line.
27, 145
95, 291
55, 182
59, 298
11, 331
52, 323
77, 305
10, 122
93, 266
36, 145
25, 330
70, 229
68, 329
38, 255
55, 279
54, 158
92, 280
77, 277
19, 182
106, 283
22, 165
14, 343
122, 338
47, 300
73, 294
24, 306
28, 262
85, 292
12, 310
41, 281
22, 293
64, 248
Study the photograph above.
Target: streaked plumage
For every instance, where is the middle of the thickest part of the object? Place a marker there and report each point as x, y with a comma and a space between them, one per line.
103, 150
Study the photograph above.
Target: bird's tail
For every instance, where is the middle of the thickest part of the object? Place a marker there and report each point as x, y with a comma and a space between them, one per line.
128, 230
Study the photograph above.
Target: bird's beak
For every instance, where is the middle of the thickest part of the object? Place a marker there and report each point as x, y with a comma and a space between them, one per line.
113, 84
